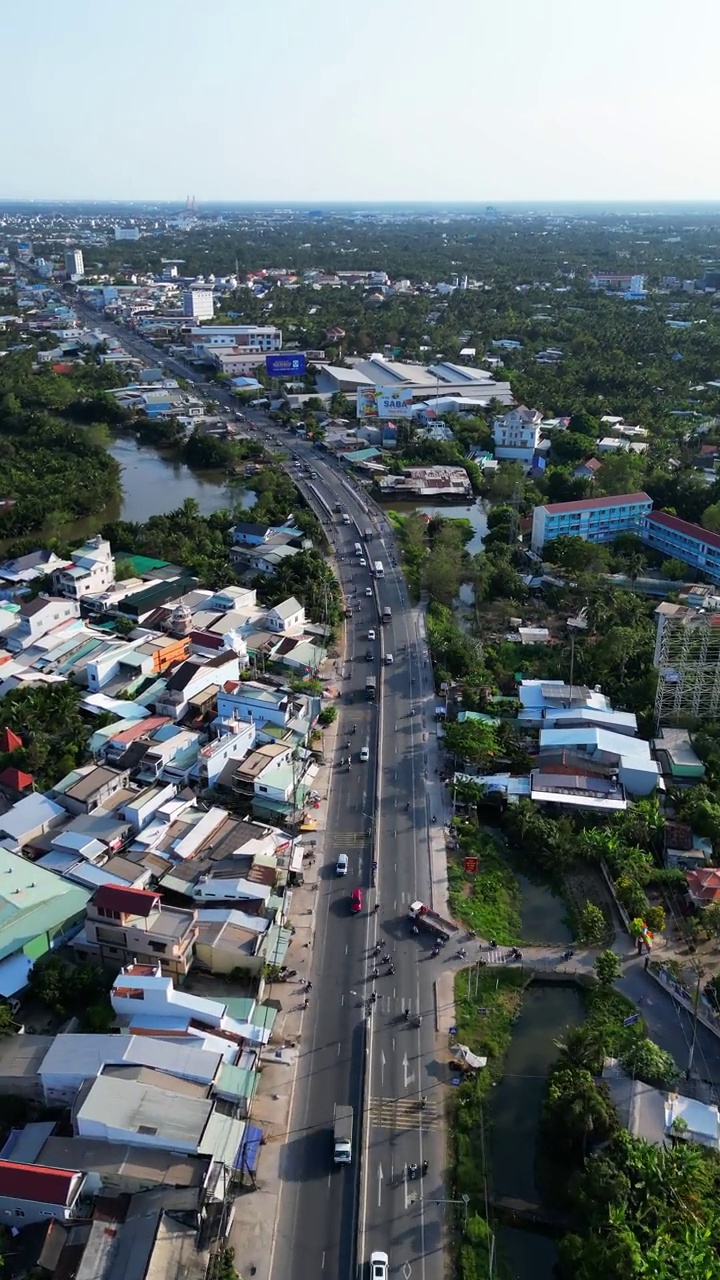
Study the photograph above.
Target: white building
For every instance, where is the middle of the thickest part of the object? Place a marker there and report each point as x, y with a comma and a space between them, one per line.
517, 434
37, 618
246, 337
74, 264
92, 570
198, 302
127, 233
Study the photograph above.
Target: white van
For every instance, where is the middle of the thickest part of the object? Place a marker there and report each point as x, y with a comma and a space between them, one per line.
358, 549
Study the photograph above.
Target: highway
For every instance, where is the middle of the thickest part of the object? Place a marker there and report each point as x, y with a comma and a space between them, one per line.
353, 1052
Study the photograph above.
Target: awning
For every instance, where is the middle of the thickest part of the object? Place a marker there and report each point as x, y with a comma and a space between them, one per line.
309, 826
249, 1149
14, 973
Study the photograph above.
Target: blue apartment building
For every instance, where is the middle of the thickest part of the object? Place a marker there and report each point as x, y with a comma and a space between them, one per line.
684, 541
594, 519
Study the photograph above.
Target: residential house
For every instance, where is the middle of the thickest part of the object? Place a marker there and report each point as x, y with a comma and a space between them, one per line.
287, 618
191, 678
553, 703
517, 434
650, 1114
126, 924
677, 756
31, 1193
594, 519
265, 559
217, 759
38, 617
92, 569
588, 470
23, 570
152, 1005
615, 756
703, 886
260, 703
88, 788
29, 818
73, 1059
39, 911
246, 534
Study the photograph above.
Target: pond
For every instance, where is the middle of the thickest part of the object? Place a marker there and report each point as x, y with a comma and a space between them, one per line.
547, 1013
475, 512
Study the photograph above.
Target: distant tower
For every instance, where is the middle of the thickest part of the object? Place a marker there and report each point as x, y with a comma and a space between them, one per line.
181, 621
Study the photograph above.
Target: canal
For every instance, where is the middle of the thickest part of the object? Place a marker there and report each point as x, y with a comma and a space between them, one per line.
548, 1012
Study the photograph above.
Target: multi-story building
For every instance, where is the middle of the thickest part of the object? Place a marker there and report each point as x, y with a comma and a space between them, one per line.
125, 925
247, 337
688, 542
92, 570
127, 233
36, 618
594, 519
198, 303
517, 434
74, 264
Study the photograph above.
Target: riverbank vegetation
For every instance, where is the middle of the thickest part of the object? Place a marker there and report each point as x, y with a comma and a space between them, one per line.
487, 1004
484, 894
53, 466
639, 1210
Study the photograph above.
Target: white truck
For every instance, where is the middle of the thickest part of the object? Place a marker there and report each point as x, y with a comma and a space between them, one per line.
424, 917
342, 1134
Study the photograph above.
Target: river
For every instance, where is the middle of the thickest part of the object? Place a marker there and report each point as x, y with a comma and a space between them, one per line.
547, 1013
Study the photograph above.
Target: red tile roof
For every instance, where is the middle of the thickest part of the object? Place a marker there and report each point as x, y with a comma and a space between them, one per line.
667, 521
37, 1182
16, 779
9, 741
704, 885
141, 729
131, 902
593, 504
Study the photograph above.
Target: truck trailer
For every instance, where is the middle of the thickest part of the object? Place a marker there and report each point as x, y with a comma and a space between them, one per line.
425, 918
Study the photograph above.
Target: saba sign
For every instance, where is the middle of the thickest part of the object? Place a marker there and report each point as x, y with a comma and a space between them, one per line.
384, 402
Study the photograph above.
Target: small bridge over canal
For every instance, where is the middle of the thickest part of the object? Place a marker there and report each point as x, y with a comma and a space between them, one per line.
527, 1216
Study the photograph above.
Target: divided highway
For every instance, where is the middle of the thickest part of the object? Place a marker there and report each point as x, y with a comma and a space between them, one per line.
380, 810
331, 1218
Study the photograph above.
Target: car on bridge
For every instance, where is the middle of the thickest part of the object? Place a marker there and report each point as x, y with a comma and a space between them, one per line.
356, 901
364, 754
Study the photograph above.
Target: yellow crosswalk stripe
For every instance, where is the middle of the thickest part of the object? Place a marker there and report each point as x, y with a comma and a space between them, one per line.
402, 1113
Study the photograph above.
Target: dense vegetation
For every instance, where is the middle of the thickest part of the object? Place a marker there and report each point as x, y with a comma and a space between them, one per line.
52, 431
47, 719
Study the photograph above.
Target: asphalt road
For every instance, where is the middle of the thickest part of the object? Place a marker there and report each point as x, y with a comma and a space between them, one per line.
325, 1211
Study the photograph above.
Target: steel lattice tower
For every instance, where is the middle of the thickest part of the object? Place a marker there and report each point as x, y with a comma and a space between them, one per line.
687, 658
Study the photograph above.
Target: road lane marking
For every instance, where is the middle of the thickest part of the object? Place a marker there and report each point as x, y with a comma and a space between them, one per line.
408, 1075
382, 1069
380, 1182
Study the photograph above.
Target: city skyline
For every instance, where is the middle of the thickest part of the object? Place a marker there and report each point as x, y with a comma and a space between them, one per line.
539, 104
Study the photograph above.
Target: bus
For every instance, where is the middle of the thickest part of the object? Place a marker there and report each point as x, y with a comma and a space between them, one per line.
378, 568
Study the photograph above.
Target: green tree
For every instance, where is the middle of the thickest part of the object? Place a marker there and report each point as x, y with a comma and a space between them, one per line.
655, 918
650, 1063
710, 918
607, 968
473, 740
592, 927
710, 519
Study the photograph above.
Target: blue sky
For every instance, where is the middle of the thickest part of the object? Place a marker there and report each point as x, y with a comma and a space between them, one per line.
360, 99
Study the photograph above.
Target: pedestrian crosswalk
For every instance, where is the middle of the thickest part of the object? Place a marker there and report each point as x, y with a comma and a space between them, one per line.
402, 1113
345, 839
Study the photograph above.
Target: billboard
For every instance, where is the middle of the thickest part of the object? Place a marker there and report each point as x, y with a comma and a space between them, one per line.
288, 366
384, 402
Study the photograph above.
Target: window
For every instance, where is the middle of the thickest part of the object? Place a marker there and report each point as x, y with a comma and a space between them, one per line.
19, 1213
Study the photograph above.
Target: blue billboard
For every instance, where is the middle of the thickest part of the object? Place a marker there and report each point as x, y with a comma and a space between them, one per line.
290, 366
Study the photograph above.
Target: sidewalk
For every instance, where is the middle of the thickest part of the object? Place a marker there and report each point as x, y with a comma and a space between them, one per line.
254, 1227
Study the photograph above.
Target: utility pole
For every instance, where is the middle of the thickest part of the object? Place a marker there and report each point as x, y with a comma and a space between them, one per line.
696, 1002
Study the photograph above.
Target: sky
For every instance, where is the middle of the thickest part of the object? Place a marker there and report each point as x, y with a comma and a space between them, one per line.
360, 100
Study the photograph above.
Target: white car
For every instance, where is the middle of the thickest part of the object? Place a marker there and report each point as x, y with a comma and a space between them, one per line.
341, 866
368, 591
379, 1263
389, 659
371, 634
364, 754
362, 562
